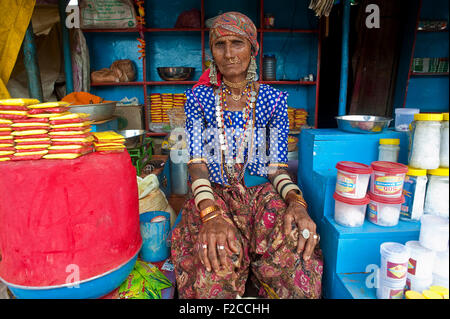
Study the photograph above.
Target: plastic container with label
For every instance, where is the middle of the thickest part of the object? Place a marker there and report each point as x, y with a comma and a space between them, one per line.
387, 179
352, 179
388, 149
349, 212
421, 260
384, 211
425, 141
404, 117
437, 195
390, 290
414, 188
417, 283
444, 148
434, 232
394, 262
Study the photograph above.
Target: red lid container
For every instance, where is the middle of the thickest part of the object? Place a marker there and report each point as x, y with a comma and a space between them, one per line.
354, 167
386, 200
352, 201
389, 167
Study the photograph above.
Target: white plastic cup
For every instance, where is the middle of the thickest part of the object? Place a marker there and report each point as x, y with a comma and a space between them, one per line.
434, 232
417, 283
352, 179
441, 265
387, 179
421, 260
390, 290
404, 117
394, 262
440, 281
350, 212
384, 211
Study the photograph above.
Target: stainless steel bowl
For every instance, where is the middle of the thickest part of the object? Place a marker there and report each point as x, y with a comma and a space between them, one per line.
97, 112
366, 124
133, 138
175, 73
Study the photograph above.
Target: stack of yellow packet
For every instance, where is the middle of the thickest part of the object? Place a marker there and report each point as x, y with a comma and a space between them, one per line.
109, 141
70, 136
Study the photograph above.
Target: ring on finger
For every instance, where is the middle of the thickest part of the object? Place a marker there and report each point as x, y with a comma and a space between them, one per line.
316, 236
204, 246
220, 247
306, 233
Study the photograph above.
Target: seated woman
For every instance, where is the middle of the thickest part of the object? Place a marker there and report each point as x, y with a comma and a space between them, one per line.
245, 213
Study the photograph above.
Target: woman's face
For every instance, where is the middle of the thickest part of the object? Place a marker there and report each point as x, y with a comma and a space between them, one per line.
232, 55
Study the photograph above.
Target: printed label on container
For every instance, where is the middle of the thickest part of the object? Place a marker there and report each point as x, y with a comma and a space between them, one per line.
408, 284
395, 270
409, 188
387, 185
373, 212
396, 294
346, 183
412, 266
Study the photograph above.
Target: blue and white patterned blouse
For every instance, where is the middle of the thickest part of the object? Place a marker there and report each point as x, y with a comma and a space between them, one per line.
271, 128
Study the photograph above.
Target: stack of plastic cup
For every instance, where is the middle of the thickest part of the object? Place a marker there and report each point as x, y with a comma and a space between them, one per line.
420, 267
393, 270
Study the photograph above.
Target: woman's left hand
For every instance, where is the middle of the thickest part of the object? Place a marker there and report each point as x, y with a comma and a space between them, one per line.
298, 214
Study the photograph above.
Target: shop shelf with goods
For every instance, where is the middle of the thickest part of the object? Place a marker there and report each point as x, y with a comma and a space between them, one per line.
423, 67
295, 41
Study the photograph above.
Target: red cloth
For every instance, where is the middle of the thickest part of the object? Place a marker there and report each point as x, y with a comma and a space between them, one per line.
205, 80
59, 212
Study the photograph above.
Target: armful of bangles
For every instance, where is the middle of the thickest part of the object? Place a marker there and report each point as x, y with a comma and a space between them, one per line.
218, 246
296, 215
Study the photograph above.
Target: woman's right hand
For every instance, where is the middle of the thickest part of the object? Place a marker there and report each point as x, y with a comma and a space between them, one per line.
217, 242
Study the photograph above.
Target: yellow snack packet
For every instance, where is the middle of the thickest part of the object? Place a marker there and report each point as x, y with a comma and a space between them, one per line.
30, 132
29, 124
62, 156
50, 116
108, 135
30, 147
109, 145
5, 121
19, 102
4, 159
6, 152
86, 123
6, 137
68, 133
41, 139
65, 147
13, 112
6, 145
71, 116
84, 139
48, 105
31, 153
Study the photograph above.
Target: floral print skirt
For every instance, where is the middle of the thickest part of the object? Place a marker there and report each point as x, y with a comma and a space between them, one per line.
269, 256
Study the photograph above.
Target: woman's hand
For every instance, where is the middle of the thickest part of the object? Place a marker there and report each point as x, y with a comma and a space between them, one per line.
298, 214
217, 243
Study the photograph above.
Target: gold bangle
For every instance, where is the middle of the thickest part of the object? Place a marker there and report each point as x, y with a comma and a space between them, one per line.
199, 160
208, 210
302, 203
210, 217
200, 197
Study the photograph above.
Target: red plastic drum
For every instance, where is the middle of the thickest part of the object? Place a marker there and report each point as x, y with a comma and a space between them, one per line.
62, 216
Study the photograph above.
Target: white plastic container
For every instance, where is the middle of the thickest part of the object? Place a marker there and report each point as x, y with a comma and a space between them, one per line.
440, 281
444, 148
387, 179
352, 179
404, 117
394, 262
384, 211
390, 290
434, 232
441, 266
437, 196
425, 141
388, 149
350, 212
421, 260
417, 283
414, 188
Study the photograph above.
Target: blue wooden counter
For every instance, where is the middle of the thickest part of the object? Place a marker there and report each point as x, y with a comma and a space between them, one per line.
347, 251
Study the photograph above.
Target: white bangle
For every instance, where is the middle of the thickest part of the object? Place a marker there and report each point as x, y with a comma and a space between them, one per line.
203, 196
279, 177
202, 188
200, 181
287, 181
289, 188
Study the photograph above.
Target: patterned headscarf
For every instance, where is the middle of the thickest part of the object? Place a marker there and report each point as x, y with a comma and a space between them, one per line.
235, 23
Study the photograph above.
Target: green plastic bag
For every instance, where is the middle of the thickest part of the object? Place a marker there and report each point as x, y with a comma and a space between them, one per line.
145, 281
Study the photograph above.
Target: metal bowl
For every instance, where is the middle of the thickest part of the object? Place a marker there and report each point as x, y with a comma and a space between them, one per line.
366, 124
175, 73
97, 112
133, 138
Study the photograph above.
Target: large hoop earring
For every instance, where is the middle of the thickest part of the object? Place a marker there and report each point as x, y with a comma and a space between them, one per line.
251, 71
213, 73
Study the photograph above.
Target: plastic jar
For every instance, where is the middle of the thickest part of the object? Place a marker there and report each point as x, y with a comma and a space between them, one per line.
425, 141
414, 188
352, 179
384, 211
417, 283
441, 264
349, 212
394, 262
388, 149
387, 179
443, 152
269, 67
390, 290
404, 117
434, 232
437, 198
421, 260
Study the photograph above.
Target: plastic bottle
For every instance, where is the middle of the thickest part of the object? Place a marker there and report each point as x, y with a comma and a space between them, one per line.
389, 149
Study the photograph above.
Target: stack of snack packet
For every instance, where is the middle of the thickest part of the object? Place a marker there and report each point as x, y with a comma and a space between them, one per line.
155, 108
10, 110
70, 136
178, 100
109, 142
167, 101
